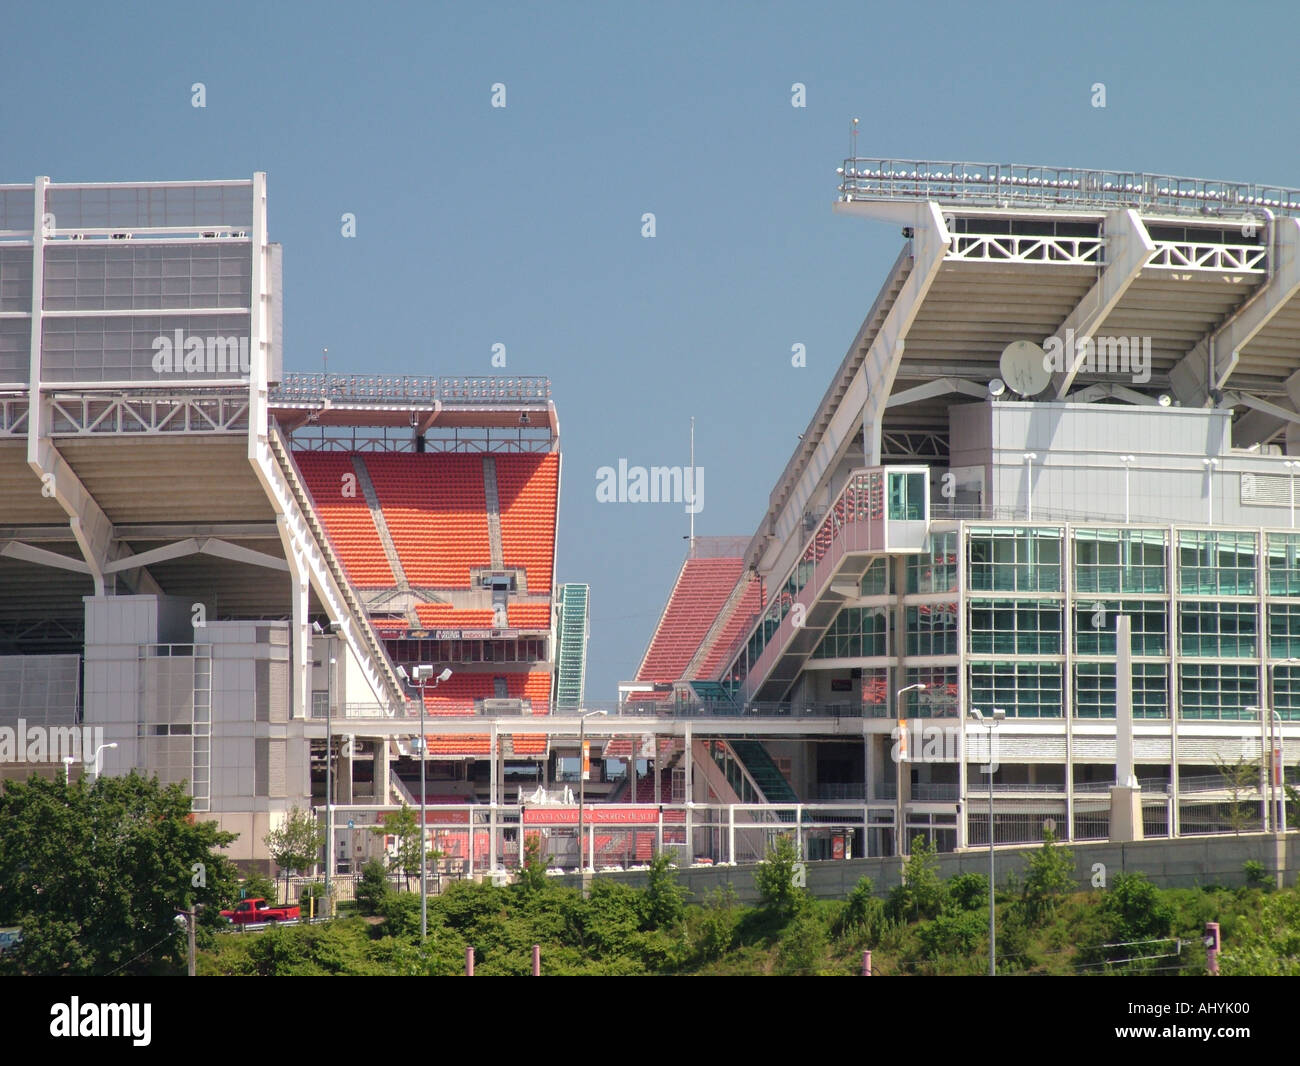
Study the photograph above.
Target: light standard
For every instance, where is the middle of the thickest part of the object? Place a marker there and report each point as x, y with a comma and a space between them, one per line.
68, 760
329, 782
1291, 465
1128, 461
1277, 806
421, 680
1209, 465
900, 830
99, 752
583, 762
1029, 487
998, 715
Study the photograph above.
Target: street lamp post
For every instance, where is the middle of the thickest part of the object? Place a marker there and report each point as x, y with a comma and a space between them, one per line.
421, 681
1128, 461
900, 830
329, 782
99, 754
1276, 802
998, 715
582, 777
1029, 487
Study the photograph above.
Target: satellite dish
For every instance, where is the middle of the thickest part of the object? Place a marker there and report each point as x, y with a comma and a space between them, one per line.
1023, 367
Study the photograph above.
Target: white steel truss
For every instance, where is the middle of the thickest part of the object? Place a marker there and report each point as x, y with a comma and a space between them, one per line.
1024, 248
1219, 258
86, 414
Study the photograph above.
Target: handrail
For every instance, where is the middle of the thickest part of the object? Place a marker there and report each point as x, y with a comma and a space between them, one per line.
1017, 185
408, 388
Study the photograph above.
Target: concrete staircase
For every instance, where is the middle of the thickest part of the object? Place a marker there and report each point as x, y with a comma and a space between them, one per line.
377, 513
493, 511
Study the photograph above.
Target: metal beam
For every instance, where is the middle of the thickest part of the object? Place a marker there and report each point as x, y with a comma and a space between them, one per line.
1128, 249
1273, 410
17, 550
224, 550
942, 387
1221, 348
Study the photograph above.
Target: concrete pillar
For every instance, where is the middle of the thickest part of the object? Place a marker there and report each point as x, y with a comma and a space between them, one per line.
1126, 795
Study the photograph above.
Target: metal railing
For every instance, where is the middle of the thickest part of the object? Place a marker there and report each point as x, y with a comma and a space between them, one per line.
410, 388
1147, 784
1020, 185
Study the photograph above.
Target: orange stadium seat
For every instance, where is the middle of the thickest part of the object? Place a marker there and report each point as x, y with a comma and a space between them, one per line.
702, 588
527, 487
436, 511
346, 519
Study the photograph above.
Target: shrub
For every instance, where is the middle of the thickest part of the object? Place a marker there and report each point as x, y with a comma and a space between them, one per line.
968, 892
921, 894
373, 887
778, 880
801, 951
663, 901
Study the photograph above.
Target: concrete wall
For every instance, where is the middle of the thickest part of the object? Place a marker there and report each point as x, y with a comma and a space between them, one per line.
1078, 448
1185, 863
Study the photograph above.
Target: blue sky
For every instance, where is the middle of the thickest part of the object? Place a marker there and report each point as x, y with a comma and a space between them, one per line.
522, 225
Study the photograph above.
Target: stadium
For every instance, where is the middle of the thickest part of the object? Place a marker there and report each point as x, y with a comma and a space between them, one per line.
337, 591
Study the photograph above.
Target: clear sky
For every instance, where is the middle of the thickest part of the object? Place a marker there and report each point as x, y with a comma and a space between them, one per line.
522, 225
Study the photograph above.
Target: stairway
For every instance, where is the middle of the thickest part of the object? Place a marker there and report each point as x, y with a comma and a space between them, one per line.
380, 668
776, 789
493, 499
377, 513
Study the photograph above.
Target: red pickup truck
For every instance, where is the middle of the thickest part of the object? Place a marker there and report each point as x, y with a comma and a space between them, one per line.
258, 910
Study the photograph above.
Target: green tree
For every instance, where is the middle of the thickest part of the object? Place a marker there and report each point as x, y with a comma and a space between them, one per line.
780, 879
95, 873
663, 902
532, 878
1134, 921
921, 894
1239, 777
405, 827
373, 887
863, 914
967, 892
255, 886
1049, 874
295, 844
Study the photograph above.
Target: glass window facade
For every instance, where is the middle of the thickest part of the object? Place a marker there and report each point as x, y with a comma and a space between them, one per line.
1218, 630
1284, 631
857, 632
1094, 690
907, 496
935, 569
939, 699
1216, 563
1094, 626
1218, 692
1286, 692
1015, 560
1284, 564
876, 581
1023, 690
932, 629
1014, 627
1119, 560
